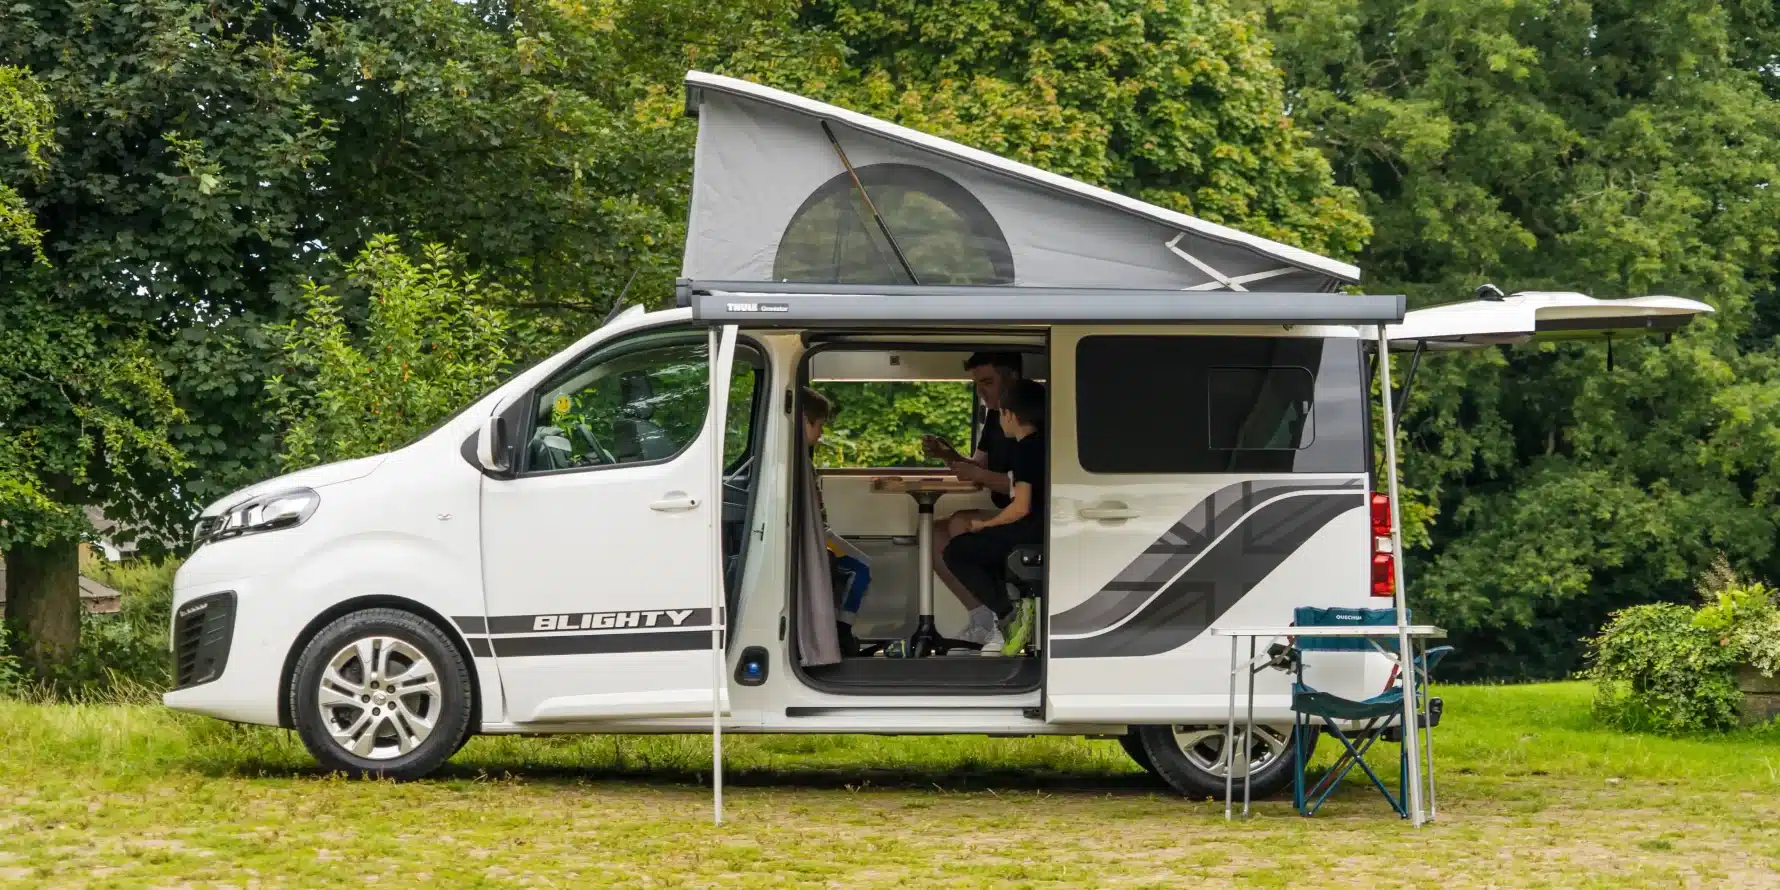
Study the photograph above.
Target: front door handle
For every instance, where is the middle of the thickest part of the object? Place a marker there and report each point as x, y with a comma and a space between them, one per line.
675, 503
1110, 512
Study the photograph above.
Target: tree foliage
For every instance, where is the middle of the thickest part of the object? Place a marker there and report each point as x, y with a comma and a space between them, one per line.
434, 341
881, 424
24, 128
1616, 148
1175, 103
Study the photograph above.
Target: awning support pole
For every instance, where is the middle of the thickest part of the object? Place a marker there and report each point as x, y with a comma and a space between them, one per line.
1405, 655
866, 196
722, 356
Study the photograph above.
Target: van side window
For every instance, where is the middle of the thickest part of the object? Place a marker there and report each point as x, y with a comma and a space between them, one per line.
1162, 404
638, 402
1259, 408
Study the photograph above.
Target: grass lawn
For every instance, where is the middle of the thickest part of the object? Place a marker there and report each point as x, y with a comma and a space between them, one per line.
1531, 795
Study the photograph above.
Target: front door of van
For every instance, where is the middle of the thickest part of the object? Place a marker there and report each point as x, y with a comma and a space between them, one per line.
600, 553
1195, 480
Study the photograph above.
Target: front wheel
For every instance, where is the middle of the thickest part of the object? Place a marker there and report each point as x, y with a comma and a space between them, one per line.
1191, 758
381, 692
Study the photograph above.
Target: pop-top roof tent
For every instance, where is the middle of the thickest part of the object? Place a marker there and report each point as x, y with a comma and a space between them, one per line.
777, 194
808, 215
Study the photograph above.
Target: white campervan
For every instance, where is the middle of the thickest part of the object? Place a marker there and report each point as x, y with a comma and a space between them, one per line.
625, 537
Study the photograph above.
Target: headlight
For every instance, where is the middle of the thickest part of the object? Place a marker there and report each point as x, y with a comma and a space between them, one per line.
283, 509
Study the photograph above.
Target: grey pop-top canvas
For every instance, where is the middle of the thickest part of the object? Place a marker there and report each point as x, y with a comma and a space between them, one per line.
773, 201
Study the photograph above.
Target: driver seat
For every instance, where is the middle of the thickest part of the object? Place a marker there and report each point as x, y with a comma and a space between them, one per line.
634, 436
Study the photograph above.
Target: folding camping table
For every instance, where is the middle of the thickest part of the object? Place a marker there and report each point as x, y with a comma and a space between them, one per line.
926, 490
1372, 634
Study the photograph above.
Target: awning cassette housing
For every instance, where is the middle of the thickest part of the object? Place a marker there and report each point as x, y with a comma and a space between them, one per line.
786, 305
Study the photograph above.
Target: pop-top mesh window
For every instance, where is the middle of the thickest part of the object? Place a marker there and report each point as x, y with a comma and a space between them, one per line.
945, 233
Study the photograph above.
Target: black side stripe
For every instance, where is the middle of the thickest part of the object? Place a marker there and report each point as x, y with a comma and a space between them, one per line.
479, 647
602, 644
585, 622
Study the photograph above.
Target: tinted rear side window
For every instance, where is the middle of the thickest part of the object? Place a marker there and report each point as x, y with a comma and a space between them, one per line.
1165, 404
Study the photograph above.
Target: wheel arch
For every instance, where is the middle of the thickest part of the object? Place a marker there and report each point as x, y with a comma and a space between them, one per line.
376, 601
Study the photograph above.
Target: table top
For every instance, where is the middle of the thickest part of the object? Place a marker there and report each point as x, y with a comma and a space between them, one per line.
912, 484
1370, 630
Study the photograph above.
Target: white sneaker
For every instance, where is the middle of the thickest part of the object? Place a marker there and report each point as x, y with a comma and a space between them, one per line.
974, 633
993, 642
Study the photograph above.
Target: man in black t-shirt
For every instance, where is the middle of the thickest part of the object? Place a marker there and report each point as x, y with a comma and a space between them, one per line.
992, 457
976, 557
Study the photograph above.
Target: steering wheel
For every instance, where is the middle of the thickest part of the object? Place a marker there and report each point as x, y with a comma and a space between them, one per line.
729, 481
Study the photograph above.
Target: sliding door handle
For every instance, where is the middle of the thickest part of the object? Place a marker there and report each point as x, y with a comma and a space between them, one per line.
1107, 513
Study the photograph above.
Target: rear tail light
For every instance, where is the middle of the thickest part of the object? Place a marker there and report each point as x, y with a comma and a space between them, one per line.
1384, 574
1384, 557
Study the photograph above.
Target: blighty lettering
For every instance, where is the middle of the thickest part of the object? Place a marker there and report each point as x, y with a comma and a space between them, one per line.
611, 620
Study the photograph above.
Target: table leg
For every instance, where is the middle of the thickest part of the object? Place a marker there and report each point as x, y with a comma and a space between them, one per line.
926, 638
1230, 741
924, 535
1428, 738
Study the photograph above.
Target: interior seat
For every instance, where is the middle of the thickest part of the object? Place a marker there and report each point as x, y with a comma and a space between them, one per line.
634, 436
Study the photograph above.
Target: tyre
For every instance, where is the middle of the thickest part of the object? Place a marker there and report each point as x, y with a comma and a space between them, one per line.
381, 693
1191, 758
1134, 747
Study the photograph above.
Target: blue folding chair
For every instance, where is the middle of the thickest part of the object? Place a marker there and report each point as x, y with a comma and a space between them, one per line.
1379, 717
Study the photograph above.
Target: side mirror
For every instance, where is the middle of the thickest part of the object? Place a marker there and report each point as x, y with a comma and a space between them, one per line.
491, 445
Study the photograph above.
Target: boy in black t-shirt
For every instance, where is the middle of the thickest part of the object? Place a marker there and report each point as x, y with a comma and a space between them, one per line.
976, 557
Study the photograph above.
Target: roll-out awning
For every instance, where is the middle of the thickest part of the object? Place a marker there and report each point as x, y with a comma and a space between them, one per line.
771, 304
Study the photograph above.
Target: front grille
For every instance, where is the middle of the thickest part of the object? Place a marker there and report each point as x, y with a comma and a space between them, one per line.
202, 630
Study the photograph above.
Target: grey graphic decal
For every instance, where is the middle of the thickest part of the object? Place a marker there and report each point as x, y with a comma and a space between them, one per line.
1221, 571
1185, 542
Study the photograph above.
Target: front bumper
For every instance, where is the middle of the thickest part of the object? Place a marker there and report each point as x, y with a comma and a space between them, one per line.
230, 642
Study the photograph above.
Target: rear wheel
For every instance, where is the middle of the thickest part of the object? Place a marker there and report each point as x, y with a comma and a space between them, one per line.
1191, 758
1134, 747
381, 692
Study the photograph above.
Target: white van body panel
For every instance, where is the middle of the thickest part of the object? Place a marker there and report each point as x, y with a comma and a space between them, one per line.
405, 525
405, 531
381, 534
1142, 564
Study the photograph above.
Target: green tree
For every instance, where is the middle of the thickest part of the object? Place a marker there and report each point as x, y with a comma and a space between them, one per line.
1617, 148
1178, 104
214, 157
433, 342
75, 416
25, 128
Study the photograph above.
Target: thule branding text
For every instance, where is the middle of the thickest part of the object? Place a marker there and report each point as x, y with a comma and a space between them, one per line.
611, 620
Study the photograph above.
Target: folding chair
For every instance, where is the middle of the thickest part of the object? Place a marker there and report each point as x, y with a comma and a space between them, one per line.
1379, 717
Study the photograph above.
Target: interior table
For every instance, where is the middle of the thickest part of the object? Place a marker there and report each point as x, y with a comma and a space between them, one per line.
926, 490
1415, 633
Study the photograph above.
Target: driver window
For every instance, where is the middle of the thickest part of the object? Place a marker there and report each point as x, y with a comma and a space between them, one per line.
636, 403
